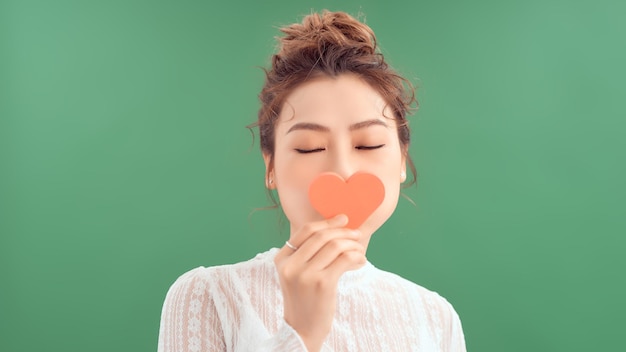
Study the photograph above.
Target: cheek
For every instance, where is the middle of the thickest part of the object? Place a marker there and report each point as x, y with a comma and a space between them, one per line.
293, 177
389, 172
391, 180
294, 173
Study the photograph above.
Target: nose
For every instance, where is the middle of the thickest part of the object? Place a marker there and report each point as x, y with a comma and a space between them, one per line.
342, 162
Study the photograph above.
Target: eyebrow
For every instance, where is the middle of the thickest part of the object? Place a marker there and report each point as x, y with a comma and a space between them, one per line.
367, 123
321, 128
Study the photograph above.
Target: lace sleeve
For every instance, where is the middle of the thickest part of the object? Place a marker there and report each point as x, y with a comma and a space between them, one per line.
189, 320
287, 339
454, 340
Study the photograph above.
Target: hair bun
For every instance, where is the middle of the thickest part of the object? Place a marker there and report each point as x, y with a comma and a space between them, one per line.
330, 29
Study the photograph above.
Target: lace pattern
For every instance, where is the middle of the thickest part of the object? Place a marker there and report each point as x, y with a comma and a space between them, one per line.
239, 308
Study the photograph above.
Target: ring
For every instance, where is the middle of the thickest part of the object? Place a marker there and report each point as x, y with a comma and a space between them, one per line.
291, 246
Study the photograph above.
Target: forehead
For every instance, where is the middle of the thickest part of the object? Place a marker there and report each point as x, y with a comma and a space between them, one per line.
332, 100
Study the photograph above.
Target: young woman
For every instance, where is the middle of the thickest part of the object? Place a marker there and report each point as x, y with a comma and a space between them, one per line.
330, 103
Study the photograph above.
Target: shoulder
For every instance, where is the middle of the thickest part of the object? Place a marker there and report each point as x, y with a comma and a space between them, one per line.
428, 306
438, 308
202, 279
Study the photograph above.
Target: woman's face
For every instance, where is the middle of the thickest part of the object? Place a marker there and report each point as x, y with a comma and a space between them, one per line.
335, 125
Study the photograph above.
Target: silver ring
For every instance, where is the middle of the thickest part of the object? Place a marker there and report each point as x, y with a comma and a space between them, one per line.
291, 246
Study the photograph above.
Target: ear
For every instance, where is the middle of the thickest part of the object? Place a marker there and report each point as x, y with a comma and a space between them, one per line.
403, 169
270, 182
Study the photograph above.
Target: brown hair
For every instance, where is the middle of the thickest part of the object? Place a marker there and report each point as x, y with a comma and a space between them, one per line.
331, 44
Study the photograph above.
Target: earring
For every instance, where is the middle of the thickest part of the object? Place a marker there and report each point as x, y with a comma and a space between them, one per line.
403, 176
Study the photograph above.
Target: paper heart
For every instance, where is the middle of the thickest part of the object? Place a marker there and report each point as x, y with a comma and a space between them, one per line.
356, 197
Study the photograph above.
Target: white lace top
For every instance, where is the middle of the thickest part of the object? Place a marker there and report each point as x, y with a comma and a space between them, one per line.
239, 308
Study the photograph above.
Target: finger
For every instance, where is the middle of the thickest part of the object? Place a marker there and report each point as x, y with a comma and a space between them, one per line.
306, 231
347, 261
332, 250
310, 248
283, 253
309, 230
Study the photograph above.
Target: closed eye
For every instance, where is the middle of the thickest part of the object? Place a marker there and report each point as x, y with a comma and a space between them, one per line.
369, 147
307, 151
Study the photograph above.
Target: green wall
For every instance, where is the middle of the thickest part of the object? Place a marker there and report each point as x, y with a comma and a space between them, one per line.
124, 162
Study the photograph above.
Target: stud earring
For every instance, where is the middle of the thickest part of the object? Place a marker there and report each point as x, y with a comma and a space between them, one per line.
403, 176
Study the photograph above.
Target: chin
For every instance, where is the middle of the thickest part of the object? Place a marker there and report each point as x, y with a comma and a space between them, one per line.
378, 219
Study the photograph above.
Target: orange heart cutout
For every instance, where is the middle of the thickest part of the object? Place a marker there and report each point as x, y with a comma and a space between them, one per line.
357, 197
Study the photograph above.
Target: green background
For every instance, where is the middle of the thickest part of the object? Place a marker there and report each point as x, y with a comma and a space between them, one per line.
125, 161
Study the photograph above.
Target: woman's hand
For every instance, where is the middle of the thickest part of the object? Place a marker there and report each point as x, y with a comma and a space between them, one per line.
309, 275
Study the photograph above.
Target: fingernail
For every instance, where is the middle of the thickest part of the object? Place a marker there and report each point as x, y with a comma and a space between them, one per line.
342, 218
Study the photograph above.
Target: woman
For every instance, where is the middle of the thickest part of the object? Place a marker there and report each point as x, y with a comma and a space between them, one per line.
330, 103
